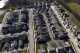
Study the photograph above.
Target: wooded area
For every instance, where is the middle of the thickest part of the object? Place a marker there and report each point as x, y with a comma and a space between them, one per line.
18, 2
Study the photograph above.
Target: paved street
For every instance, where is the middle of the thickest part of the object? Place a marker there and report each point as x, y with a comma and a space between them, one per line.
47, 24
72, 39
31, 37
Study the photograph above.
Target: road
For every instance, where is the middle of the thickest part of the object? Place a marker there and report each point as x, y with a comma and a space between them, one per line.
71, 35
34, 34
47, 24
31, 37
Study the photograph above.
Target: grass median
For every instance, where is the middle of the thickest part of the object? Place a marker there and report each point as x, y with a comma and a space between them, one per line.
74, 6
37, 47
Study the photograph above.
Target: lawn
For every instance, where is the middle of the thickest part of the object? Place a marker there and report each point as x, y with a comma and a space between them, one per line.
3, 49
1, 17
54, 45
37, 47
7, 8
25, 51
74, 6
26, 45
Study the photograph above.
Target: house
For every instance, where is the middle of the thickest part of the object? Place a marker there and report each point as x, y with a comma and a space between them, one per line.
22, 37
23, 9
41, 39
61, 10
67, 21
37, 23
65, 44
64, 47
77, 33
3, 40
62, 35
23, 15
17, 28
15, 44
11, 29
43, 36
23, 18
65, 16
24, 27
59, 32
62, 14
75, 30
71, 25
10, 17
38, 31
16, 15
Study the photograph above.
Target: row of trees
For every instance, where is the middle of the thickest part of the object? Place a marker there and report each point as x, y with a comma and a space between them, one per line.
76, 1
64, 4
18, 2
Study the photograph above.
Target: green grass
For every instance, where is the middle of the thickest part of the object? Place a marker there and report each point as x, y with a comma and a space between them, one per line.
25, 51
74, 6
26, 45
46, 48
54, 45
7, 8
72, 18
3, 49
37, 47
2, 16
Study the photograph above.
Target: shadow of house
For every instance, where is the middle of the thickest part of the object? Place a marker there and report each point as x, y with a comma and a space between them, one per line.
23, 38
5, 30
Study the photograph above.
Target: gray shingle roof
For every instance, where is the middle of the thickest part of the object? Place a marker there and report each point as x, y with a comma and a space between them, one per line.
6, 44
15, 43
